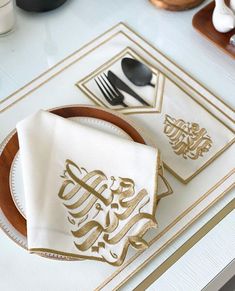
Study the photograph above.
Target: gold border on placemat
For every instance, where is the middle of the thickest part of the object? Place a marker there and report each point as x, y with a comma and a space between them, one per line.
144, 109
121, 25
103, 42
167, 228
180, 68
158, 94
183, 81
185, 181
160, 270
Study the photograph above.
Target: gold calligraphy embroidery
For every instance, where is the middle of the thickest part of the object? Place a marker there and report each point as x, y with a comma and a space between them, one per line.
187, 139
103, 212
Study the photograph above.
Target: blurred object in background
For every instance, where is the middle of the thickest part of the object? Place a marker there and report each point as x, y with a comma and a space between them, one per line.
39, 5
223, 17
7, 16
232, 40
176, 5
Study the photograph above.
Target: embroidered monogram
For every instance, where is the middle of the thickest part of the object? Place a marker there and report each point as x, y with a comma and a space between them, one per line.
103, 213
186, 138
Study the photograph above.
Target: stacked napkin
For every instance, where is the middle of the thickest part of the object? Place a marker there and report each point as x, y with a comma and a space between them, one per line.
89, 194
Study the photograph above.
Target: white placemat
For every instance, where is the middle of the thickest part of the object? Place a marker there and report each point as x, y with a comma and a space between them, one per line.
200, 190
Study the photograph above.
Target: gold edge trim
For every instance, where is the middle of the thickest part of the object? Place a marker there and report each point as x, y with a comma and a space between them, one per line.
174, 237
65, 254
83, 181
183, 81
82, 86
162, 93
160, 270
213, 188
95, 72
155, 195
98, 70
167, 228
99, 102
39, 251
195, 100
212, 159
133, 53
68, 256
122, 24
139, 36
179, 67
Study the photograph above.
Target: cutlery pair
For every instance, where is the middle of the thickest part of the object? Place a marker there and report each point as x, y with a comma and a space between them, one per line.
112, 95
109, 85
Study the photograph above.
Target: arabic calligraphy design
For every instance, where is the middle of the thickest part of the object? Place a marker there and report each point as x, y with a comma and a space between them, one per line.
187, 139
106, 215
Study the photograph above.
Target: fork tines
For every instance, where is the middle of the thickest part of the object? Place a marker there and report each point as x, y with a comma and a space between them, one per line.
110, 92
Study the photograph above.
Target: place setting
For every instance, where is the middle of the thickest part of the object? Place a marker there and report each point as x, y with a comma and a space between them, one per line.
83, 211
109, 156
109, 84
126, 83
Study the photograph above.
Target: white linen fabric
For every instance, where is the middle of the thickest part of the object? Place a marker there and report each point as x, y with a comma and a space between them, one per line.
188, 142
88, 194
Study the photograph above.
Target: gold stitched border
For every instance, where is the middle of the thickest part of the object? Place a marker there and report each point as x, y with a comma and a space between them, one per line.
186, 246
180, 68
173, 73
81, 84
94, 40
172, 239
151, 223
142, 109
119, 24
112, 36
202, 167
71, 256
167, 228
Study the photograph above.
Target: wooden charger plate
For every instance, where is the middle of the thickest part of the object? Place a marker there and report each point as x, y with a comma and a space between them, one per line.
11, 148
202, 22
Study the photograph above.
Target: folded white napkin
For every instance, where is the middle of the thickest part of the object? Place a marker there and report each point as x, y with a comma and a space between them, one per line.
88, 194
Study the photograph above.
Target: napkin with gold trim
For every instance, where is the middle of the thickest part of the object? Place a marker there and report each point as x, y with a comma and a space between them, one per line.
89, 194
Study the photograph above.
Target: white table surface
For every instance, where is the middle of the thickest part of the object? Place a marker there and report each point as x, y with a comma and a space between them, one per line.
41, 40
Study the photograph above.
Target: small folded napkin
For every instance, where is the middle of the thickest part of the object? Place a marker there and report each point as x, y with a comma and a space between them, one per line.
89, 194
